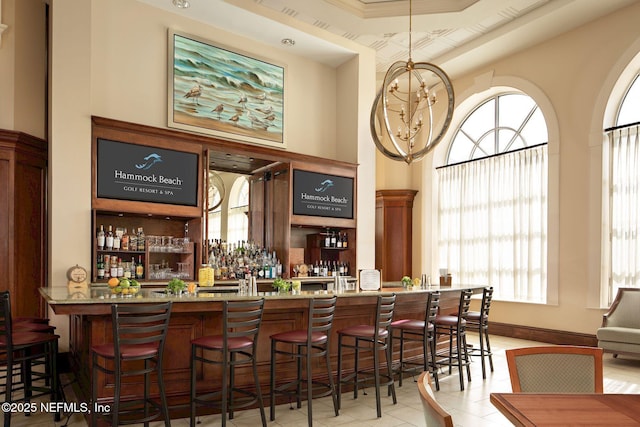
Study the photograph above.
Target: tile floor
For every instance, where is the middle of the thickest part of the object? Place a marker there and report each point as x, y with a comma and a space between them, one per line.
469, 408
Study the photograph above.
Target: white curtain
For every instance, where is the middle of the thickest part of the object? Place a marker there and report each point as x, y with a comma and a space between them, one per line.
625, 208
237, 224
493, 223
214, 224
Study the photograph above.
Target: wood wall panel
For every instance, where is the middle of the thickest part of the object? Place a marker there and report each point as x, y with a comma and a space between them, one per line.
23, 226
6, 219
394, 233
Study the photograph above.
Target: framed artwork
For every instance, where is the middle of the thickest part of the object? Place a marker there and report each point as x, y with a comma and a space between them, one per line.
217, 91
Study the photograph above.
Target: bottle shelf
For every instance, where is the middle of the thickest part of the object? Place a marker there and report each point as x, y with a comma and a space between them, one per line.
168, 259
118, 251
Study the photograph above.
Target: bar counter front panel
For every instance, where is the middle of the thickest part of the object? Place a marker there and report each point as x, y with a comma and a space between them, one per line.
198, 315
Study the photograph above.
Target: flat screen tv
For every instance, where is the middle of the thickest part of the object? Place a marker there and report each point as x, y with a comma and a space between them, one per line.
324, 195
143, 173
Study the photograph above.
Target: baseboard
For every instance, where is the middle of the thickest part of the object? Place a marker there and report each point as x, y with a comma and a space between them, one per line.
550, 336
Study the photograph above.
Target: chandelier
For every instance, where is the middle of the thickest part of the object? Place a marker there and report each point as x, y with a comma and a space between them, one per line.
403, 112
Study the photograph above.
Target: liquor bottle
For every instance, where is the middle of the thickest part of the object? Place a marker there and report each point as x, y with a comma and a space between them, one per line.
327, 240
316, 269
114, 267
133, 240
127, 270
333, 239
120, 268
339, 240
116, 241
139, 268
341, 269
345, 242
100, 237
274, 266
107, 267
224, 271
100, 266
140, 239
124, 241
108, 240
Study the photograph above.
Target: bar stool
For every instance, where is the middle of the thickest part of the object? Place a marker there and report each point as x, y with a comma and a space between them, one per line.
308, 343
237, 345
139, 334
418, 330
23, 349
455, 327
374, 338
479, 321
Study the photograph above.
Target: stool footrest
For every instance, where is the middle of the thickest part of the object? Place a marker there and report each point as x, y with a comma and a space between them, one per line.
213, 399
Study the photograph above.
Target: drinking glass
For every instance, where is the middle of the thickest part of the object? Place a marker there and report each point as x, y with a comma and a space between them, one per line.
296, 286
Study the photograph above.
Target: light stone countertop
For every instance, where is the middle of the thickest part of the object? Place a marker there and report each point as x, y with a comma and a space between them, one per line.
100, 294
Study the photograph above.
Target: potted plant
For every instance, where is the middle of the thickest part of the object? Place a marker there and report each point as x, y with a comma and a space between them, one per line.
176, 286
407, 282
281, 285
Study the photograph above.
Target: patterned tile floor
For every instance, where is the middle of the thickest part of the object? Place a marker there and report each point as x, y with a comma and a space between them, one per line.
469, 408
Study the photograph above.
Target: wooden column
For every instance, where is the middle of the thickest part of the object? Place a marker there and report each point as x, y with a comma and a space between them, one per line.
23, 220
393, 233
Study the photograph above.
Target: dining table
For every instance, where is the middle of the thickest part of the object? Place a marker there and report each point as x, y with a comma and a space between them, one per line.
573, 409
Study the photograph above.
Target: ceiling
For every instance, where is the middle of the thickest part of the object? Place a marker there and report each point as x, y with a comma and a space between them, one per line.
456, 35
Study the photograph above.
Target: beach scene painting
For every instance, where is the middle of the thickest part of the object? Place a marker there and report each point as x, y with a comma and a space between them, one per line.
217, 91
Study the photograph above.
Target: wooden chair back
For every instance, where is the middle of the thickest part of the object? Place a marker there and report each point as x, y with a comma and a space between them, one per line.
434, 414
555, 369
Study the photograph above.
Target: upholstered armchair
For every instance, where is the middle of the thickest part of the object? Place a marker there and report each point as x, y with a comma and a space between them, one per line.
620, 331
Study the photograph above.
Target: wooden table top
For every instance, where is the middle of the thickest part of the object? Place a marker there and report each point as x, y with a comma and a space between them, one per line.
532, 409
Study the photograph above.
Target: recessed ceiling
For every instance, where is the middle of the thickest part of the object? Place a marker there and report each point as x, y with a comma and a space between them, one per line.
236, 163
387, 8
457, 35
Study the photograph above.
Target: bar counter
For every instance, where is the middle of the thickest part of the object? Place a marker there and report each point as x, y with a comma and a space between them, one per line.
194, 316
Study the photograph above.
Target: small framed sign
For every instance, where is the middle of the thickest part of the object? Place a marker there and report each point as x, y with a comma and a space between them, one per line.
128, 171
369, 280
319, 194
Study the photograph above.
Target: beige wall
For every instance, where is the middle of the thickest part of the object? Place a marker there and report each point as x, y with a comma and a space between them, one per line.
22, 67
571, 77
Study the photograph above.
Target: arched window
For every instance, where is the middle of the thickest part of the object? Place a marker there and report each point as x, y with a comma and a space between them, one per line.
215, 218
493, 199
237, 221
623, 250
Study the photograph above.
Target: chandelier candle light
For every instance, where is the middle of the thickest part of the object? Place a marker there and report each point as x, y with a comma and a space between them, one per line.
403, 112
